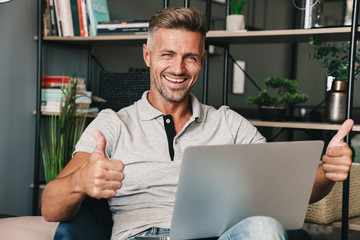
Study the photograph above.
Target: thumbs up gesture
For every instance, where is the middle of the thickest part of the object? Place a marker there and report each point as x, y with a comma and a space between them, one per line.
337, 159
101, 176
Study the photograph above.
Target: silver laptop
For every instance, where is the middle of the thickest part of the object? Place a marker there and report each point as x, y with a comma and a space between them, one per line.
223, 184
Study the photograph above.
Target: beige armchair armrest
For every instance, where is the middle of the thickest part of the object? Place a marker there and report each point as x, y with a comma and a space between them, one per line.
29, 228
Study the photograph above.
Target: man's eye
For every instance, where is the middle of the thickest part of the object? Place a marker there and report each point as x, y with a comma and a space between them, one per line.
192, 59
166, 55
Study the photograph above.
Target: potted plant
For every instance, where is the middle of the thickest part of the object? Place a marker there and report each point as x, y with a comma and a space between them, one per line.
235, 21
335, 59
272, 108
60, 132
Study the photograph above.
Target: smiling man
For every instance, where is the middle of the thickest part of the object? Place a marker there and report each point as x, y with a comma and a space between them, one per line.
132, 157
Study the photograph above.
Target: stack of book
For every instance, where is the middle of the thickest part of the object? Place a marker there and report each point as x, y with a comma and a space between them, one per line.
68, 18
123, 27
53, 94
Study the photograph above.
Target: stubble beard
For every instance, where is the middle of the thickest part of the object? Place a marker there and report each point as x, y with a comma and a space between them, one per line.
168, 94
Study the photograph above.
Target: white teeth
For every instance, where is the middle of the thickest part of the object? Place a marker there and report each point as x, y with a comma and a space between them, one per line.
174, 80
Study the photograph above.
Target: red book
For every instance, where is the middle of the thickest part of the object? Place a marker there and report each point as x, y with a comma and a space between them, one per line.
55, 79
81, 19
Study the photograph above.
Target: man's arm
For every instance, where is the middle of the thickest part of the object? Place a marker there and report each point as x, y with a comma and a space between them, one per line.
86, 174
335, 165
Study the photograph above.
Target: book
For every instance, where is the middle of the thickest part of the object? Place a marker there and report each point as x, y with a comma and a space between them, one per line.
119, 27
98, 12
75, 17
81, 19
54, 30
58, 18
119, 31
57, 79
65, 18
85, 17
57, 95
123, 24
46, 18
81, 87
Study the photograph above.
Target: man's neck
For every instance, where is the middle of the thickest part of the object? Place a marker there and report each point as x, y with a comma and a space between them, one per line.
181, 111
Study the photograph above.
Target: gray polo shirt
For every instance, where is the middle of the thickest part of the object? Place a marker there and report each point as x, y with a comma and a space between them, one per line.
136, 135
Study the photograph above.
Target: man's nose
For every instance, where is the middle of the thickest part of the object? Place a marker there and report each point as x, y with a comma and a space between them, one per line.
178, 66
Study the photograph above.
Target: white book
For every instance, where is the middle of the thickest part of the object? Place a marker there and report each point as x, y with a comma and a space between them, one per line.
66, 18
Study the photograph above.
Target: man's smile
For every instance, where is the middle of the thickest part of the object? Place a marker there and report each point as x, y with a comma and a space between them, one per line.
175, 79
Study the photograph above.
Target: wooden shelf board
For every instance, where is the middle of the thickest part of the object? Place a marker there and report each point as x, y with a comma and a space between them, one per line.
278, 36
354, 224
220, 37
301, 125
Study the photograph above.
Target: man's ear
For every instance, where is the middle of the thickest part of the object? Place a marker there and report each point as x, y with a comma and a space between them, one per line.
146, 55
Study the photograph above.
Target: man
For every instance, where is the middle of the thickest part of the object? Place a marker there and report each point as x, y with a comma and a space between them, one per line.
132, 157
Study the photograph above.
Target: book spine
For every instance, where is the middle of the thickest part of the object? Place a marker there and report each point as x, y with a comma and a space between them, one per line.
58, 18
85, 17
92, 19
54, 30
98, 12
122, 25
58, 79
66, 18
81, 18
46, 18
75, 17
123, 30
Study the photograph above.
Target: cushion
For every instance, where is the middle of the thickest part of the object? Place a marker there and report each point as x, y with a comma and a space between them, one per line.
30, 228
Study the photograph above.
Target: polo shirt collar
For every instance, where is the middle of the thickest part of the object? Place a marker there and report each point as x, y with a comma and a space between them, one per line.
148, 112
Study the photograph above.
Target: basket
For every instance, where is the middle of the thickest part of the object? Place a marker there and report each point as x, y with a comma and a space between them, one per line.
329, 209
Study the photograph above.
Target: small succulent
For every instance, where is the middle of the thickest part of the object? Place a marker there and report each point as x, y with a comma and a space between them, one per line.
237, 6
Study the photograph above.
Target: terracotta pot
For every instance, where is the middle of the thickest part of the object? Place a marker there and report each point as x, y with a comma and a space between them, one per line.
272, 113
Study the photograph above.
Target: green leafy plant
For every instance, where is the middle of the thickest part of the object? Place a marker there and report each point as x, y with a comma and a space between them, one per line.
237, 6
287, 92
334, 57
59, 134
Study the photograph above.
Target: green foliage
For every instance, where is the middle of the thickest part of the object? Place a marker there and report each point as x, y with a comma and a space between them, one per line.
287, 92
59, 134
334, 57
237, 6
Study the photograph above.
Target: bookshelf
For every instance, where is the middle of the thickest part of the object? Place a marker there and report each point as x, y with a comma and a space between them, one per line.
226, 38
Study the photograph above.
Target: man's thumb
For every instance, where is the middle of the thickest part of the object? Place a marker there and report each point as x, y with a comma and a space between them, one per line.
342, 132
100, 142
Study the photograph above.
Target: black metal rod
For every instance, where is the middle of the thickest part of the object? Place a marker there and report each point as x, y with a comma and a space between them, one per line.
166, 3
208, 14
349, 105
227, 11
187, 3
35, 209
246, 74
226, 77
206, 75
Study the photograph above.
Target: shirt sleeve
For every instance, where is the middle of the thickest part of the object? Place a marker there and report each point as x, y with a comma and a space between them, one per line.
243, 131
109, 124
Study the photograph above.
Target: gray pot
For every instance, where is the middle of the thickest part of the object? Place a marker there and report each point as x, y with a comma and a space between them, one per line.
235, 22
335, 106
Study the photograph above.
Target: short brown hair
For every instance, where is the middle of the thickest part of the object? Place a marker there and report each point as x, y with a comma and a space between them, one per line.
177, 18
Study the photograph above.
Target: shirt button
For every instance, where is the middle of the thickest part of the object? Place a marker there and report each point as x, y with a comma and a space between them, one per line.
168, 121
176, 141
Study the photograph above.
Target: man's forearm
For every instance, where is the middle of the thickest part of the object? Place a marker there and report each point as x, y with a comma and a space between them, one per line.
61, 200
322, 186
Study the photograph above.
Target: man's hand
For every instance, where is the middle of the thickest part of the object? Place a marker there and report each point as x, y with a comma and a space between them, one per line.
337, 159
100, 177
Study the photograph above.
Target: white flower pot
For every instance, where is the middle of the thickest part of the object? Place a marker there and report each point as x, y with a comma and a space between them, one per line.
235, 22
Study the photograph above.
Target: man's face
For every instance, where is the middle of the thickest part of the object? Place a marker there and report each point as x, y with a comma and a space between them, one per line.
175, 61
